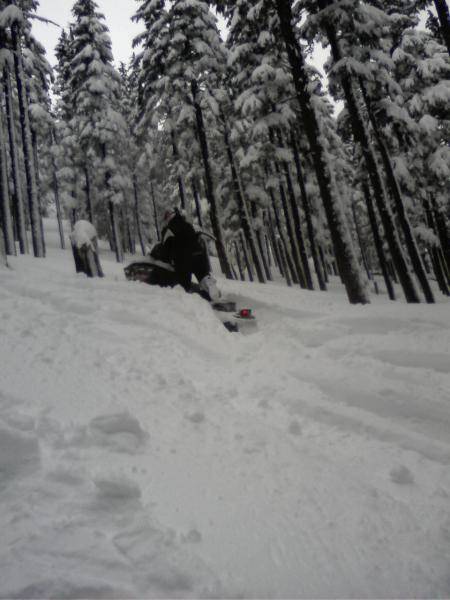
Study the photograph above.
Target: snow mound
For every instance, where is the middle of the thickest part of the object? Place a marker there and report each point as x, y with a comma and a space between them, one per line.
145, 452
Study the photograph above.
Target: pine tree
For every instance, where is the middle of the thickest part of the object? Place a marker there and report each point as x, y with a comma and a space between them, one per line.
422, 70
18, 202
17, 20
344, 252
180, 83
96, 122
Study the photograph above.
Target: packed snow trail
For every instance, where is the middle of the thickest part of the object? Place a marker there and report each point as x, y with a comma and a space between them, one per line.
146, 452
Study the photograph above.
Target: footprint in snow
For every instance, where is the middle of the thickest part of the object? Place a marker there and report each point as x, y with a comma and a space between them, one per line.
116, 487
401, 475
192, 537
19, 453
121, 431
295, 428
197, 417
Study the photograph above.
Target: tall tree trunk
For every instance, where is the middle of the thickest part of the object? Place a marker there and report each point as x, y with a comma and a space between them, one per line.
402, 217
308, 215
128, 230
89, 204
444, 20
264, 258
115, 228
38, 184
442, 231
5, 201
378, 242
248, 264
15, 165
290, 231
345, 255
115, 231
155, 212
176, 155
210, 194
362, 137
137, 215
295, 212
238, 261
325, 265
273, 241
30, 171
198, 208
241, 202
288, 263
284, 261
3, 257
436, 255
59, 216
361, 243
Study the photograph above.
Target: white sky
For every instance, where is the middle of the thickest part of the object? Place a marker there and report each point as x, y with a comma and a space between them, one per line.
117, 13
118, 20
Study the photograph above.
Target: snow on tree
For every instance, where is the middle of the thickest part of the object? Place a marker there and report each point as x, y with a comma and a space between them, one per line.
16, 20
183, 82
96, 121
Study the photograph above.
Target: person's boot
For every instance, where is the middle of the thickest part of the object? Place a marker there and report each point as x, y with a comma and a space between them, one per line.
208, 284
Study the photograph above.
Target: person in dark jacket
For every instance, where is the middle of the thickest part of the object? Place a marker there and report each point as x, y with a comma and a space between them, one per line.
183, 248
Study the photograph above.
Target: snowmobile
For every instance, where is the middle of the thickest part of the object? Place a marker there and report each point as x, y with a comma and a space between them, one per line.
152, 270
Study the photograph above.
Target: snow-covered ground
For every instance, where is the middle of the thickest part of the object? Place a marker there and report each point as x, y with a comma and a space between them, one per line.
146, 452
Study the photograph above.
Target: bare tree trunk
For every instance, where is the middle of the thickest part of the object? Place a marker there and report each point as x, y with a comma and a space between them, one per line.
215, 222
287, 259
56, 192
115, 231
442, 231
273, 241
290, 231
444, 20
344, 252
38, 184
325, 266
241, 201
155, 212
90, 211
5, 201
402, 217
3, 258
436, 255
238, 261
30, 171
295, 212
378, 242
308, 216
362, 137
176, 155
198, 208
284, 261
246, 257
15, 168
137, 216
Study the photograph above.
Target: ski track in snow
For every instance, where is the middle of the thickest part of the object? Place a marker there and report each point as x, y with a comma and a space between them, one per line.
145, 452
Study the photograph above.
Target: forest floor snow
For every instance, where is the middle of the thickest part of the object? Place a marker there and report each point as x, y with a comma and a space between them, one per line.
145, 452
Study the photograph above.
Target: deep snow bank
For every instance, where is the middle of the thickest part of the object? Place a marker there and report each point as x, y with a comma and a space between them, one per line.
146, 452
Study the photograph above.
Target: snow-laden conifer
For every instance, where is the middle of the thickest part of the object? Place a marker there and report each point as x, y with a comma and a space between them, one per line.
96, 121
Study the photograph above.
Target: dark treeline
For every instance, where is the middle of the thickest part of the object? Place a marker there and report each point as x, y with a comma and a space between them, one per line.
242, 135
